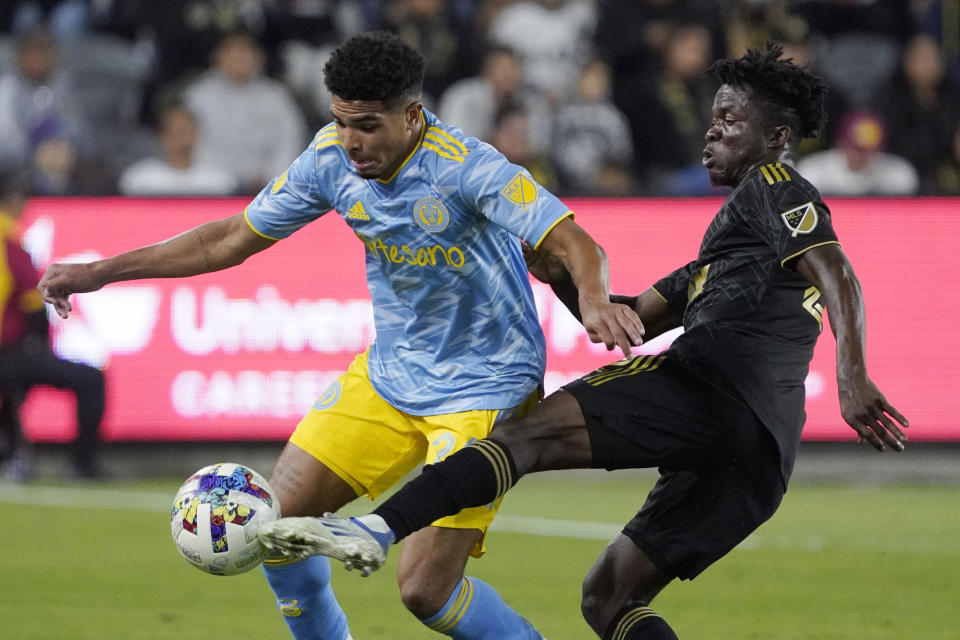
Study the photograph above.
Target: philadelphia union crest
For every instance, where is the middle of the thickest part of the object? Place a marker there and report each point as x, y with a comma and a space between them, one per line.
431, 215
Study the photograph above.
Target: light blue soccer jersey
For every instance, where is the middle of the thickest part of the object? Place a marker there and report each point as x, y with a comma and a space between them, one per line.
454, 314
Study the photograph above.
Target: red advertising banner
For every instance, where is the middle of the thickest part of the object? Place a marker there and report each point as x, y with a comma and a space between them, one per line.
242, 354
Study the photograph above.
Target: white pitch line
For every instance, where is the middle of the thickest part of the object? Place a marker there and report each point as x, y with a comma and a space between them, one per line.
86, 498
93, 498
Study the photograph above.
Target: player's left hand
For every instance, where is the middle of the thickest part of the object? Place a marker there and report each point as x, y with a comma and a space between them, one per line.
613, 324
867, 411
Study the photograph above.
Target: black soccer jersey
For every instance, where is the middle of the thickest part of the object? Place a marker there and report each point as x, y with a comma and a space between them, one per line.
749, 317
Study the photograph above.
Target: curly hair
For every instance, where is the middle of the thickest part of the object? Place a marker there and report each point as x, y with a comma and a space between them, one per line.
375, 66
789, 94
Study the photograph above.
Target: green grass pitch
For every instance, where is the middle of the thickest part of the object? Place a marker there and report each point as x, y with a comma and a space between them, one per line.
836, 562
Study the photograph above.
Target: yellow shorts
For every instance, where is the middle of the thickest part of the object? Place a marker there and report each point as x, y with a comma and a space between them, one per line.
371, 444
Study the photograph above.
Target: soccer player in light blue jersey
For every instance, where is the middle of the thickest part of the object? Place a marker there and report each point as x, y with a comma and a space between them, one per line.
441, 217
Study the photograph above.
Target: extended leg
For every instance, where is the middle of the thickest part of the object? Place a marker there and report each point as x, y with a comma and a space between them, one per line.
304, 486
552, 436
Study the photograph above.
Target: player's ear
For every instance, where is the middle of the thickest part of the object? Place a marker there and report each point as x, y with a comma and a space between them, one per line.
412, 115
779, 137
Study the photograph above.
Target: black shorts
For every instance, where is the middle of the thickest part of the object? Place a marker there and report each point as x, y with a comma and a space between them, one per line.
720, 467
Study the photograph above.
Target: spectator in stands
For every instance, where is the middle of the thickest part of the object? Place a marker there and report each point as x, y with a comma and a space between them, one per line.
26, 359
473, 103
921, 106
591, 134
55, 161
511, 137
938, 18
630, 34
552, 39
852, 34
432, 28
793, 34
65, 18
59, 166
859, 166
249, 124
34, 97
177, 172
670, 107
183, 35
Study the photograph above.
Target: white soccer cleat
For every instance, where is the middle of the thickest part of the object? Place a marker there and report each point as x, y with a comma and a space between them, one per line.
342, 539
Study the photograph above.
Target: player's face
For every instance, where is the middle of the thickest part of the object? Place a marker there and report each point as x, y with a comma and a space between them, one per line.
377, 139
735, 139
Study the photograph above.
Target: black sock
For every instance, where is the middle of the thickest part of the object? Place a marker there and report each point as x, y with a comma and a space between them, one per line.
476, 475
638, 622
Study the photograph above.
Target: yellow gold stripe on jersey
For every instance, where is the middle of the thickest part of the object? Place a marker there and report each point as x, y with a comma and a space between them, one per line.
444, 145
775, 172
457, 609
440, 152
498, 460
459, 147
624, 368
279, 182
805, 249
327, 137
630, 619
246, 218
654, 289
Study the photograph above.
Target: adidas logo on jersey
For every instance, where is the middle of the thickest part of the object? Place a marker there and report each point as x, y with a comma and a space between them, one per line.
357, 212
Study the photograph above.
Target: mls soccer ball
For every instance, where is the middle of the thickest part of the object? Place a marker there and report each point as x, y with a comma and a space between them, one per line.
216, 515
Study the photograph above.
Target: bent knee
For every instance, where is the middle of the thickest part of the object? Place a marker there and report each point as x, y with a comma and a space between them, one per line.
422, 598
597, 602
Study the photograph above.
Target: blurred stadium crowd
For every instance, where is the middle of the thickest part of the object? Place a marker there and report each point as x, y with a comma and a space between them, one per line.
594, 97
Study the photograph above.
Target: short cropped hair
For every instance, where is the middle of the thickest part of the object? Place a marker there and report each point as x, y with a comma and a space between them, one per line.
790, 95
375, 66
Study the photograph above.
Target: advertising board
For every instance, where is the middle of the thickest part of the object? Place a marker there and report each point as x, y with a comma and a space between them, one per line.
243, 353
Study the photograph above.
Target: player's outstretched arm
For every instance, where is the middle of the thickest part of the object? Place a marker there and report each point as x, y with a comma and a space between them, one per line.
862, 404
655, 316
209, 247
614, 324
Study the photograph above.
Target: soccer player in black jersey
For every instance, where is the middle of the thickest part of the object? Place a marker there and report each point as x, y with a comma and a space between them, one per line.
720, 412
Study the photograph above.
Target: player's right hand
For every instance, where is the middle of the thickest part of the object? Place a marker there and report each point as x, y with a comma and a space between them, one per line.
868, 412
613, 324
62, 280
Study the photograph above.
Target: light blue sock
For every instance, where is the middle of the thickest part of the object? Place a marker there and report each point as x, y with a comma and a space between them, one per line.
306, 599
475, 611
